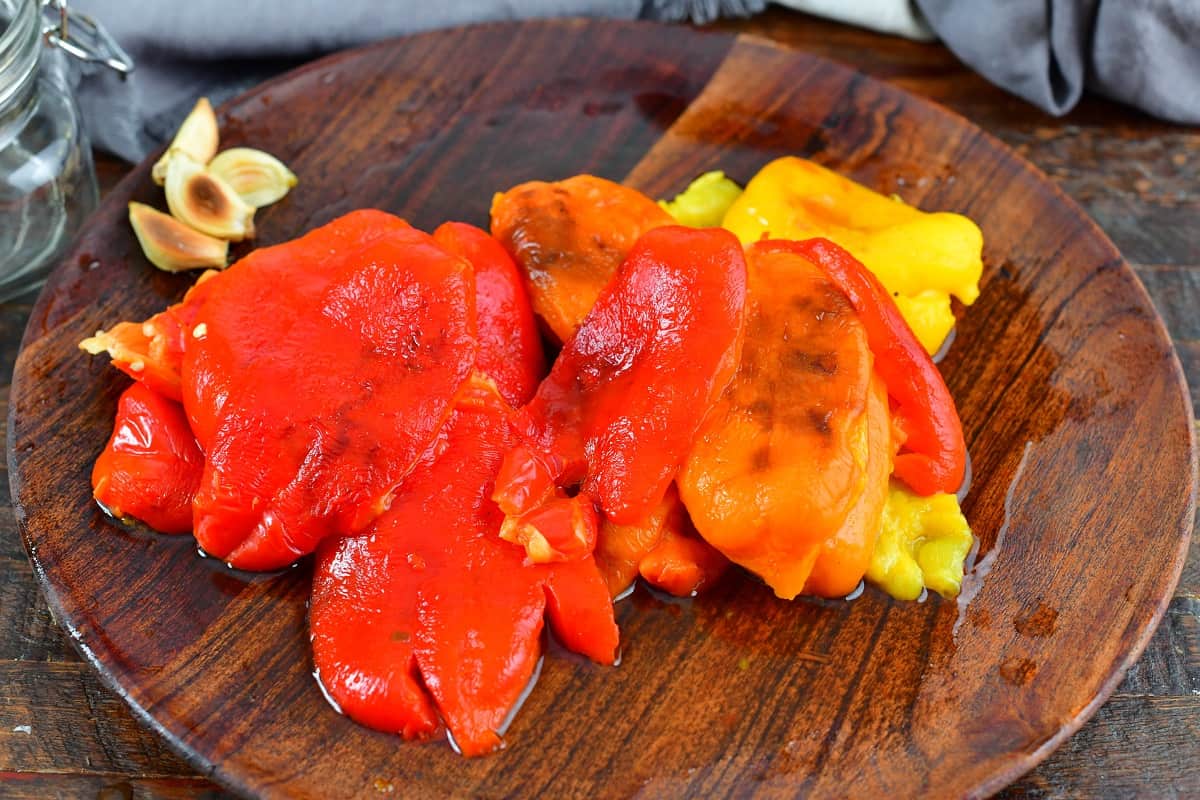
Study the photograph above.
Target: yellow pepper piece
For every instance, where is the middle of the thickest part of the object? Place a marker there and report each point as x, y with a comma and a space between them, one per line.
704, 202
922, 258
923, 544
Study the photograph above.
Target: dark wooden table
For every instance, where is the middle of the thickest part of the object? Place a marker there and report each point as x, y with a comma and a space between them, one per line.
62, 734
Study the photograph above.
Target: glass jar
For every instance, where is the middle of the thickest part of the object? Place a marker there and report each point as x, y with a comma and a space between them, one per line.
47, 181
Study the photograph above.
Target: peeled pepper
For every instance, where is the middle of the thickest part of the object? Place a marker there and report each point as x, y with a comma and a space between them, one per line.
570, 238
150, 468
923, 543
624, 399
428, 613
921, 258
789, 470
509, 348
317, 373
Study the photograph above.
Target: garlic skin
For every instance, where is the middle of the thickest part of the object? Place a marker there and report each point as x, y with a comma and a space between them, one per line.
259, 178
200, 199
196, 138
172, 246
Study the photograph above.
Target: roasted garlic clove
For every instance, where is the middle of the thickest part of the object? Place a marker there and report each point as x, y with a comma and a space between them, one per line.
200, 199
172, 246
259, 178
197, 138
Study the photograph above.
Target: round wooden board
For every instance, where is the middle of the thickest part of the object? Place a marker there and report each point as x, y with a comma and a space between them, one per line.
1073, 401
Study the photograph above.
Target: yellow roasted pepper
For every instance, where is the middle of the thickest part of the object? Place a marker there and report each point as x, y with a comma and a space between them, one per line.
704, 202
924, 543
922, 258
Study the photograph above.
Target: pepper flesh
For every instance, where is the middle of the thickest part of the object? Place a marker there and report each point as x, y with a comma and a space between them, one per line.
680, 562
585, 221
510, 350
570, 238
794, 456
933, 455
430, 613
151, 352
318, 372
922, 258
150, 468
627, 393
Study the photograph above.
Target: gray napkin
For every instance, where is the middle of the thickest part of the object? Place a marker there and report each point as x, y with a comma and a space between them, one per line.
1143, 52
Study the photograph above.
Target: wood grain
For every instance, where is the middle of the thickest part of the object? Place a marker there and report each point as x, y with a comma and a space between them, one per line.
812, 698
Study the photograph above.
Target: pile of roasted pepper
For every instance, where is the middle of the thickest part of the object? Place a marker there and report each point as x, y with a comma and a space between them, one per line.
729, 384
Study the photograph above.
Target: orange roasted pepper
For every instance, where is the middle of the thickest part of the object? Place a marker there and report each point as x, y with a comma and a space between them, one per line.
933, 454
570, 238
789, 471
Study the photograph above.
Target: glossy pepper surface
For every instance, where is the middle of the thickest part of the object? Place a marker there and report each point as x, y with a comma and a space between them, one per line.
150, 468
922, 258
317, 373
789, 470
624, 399
559, 223
509, 350
428, 615
570, 238
933, 453
151, 352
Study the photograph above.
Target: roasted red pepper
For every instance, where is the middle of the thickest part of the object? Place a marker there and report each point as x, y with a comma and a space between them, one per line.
933, 455
317, 373
618, 411
428, 614
151, 466
429, 599
510, 350
150, 352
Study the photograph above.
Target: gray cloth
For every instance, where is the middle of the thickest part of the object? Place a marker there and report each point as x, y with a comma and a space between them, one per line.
1142, 52
1136, 51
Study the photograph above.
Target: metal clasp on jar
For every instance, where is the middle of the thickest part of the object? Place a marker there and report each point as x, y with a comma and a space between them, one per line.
82, 37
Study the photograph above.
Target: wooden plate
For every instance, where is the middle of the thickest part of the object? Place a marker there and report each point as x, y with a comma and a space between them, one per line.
1074, 405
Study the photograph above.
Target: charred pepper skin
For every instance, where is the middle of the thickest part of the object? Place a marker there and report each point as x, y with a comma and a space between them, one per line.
317, 374
933, 455
617, 414
150, 468
789, 470
570, 238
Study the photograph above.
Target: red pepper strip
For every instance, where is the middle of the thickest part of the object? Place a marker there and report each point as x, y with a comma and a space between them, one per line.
151, 466
510, 350
934, 455
317, 374
430, 595
626, 395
